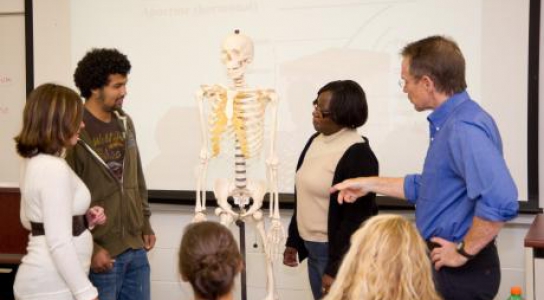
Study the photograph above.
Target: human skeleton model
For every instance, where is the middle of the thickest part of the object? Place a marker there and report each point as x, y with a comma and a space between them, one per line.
239, 112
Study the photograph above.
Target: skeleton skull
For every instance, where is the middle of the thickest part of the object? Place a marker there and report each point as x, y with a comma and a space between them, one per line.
236, 54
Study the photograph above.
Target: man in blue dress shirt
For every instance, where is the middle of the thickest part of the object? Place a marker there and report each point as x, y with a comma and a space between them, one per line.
465, 193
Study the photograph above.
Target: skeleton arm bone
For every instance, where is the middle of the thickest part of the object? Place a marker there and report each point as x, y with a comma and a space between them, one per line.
271, 293
200, 206
272, 160
276, 233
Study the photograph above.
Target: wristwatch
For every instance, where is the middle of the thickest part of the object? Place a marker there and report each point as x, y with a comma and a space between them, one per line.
461, 250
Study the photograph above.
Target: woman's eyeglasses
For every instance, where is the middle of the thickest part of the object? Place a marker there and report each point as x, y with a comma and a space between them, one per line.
320, 113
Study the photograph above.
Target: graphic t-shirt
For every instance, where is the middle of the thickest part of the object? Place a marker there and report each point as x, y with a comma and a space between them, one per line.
108, 141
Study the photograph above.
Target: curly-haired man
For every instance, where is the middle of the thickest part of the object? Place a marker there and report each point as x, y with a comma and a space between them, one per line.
107, 160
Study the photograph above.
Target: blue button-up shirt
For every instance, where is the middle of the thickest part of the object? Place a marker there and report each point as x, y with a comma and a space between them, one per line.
464, 175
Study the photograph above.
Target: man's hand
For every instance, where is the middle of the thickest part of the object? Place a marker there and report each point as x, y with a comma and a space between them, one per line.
446, 254
326, 282
102, 261
95, 216
149, 241
351, 189
290, 257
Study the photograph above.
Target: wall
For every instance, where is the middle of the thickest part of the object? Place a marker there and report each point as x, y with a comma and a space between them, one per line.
169, 221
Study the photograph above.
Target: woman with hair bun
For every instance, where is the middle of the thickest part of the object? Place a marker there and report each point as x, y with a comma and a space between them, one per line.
209, 260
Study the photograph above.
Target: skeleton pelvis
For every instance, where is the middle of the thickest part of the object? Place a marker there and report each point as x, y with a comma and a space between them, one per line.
255, 189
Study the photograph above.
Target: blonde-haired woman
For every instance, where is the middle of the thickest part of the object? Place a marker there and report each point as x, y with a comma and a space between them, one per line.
387, 260
54, 201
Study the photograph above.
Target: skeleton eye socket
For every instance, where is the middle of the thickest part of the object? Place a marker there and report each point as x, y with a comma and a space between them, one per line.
231, 55
225, 56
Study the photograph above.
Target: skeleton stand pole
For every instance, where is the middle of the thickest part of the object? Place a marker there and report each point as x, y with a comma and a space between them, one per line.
243, 278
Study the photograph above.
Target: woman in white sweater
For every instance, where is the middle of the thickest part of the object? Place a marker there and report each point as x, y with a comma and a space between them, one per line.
54, 201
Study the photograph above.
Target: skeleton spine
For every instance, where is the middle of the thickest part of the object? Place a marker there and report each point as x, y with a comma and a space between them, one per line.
239, 168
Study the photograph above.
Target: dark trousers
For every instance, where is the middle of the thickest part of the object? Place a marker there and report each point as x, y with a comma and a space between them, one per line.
478, 279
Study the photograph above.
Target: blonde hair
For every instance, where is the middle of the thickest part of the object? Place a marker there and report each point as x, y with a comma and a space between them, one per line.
387, 260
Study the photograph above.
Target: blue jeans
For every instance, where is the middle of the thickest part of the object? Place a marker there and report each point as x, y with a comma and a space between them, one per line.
129, 279
318, 257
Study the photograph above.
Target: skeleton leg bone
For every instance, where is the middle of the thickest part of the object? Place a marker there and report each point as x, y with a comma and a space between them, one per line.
222, 191
258, 191
271, 293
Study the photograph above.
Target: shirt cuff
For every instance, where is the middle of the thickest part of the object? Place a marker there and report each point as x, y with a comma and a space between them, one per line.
411, 187
147, 230
497, 214
90, 292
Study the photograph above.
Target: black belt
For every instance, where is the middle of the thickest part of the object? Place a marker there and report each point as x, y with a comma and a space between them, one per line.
432, 245
79, 225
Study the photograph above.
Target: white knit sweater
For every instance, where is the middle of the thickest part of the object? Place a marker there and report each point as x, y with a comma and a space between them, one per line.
56, 264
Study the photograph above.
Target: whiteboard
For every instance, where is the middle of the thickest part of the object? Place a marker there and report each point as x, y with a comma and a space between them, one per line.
300, 46
12, 93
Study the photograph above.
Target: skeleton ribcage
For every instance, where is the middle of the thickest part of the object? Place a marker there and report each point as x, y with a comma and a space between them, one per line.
246, 121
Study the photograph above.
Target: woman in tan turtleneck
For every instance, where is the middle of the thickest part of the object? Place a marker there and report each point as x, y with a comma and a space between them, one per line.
320, 228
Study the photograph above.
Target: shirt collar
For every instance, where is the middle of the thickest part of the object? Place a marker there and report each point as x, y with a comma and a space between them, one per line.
439, 116
332, 137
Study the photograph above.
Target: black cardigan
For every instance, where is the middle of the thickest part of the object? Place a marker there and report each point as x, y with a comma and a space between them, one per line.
345, 219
